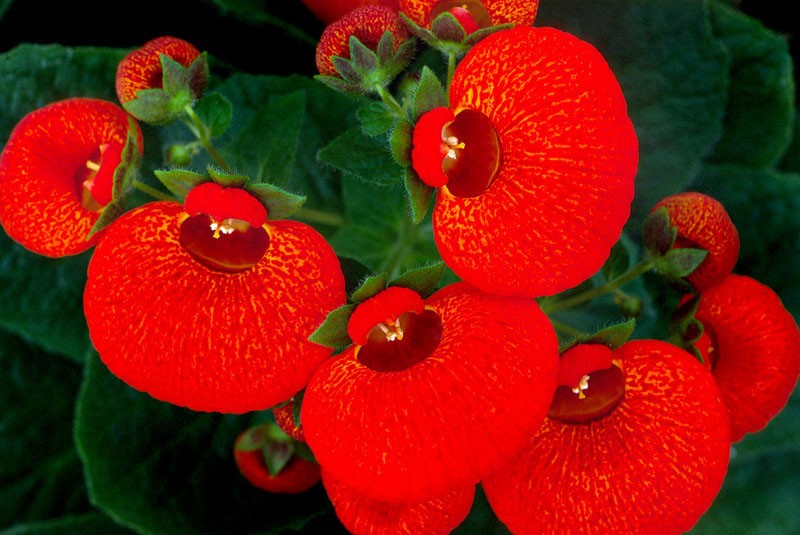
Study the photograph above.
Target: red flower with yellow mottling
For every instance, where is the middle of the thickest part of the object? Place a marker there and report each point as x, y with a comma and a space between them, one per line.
142, 68
639, 443
534, 161
209, 305
367, 24
483, 13
703, 223
363, 516
752, 345
328, 11
400, 416
57, 171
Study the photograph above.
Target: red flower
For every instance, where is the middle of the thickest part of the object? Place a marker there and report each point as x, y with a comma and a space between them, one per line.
644, 451
484, 13
401, 415
703, 223
752, 345
295, 476
284, 418
537, 176
362, 516
56, 173
211, 311
328, 11
368, 24
141, 68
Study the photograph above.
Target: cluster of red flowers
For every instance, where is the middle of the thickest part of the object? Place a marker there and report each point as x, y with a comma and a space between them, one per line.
424, 392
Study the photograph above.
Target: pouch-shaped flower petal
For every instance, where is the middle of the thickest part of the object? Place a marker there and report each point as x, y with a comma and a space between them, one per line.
753, 349
433, 398
211, 314
56, 173
640, 446
517, 12
540, 158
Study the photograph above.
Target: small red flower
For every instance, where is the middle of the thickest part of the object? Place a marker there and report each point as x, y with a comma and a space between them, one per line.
639, 445
368, 24
328, 11
56, 173
363, 516
752, 345
535, 179
702, 222
203, 307
141, 68
401, 417
481, 13
250, 451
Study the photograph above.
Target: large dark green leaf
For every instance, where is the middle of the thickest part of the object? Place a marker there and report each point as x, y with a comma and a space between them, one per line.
364, 157
93, 523
760, 113
40, 472
673, 72
161, 469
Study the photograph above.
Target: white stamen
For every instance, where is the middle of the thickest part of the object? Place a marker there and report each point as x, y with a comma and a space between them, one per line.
582, 385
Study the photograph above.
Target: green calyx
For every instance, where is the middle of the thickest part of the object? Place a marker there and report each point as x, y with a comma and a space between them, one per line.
674, 263
447, 35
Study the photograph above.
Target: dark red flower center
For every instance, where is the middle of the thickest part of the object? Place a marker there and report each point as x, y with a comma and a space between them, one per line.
470, 13
463, 152
96, 179
590, 385
225, 228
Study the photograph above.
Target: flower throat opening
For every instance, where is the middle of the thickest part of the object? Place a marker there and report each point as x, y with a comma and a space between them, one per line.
96, 179
398, 345
472, 154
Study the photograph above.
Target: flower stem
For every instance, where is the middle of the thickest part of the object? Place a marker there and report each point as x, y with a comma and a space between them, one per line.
558, 305
451, 70
153, 192
320, 216
200, 130
567, 330
391, 102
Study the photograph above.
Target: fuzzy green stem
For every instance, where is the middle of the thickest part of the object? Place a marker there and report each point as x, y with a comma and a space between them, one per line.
320, 216
567, 330
153, 192
558, 305
391, 102
200, 130
451, 70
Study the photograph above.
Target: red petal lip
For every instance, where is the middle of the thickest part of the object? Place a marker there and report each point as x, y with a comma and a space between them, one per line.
494, 352
427, 153
225, 203
702, 222
167, 325
368, 24
385, 308
654, 465
141, 68
359, 514
757, 348
569, 156
40, 194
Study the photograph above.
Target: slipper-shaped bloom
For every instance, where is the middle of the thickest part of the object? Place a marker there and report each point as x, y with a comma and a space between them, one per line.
752, 345
57, 171
433, 395
363, 516
636, 441
209, 305
534, 161
702, 222
481, 13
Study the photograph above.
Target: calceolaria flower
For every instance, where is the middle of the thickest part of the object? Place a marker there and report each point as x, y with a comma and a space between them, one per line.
701, 222
534, 160
57, 173
433, 394
363, 516
209, 304
752, 346
472, 14
636, 441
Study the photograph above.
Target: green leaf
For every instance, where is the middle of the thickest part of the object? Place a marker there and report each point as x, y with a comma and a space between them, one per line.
447, 28
364, 60
401, 143
621, 259
366, 158
333, 332
429, 94
658, 235
215, 111
157, 468
423, 280
420, 195
39, 467
612, 336
280, 203
371, 286
180, 181
674, 74
175, 78
354, 273
680, 262
376, 118
760, 112
93, 523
